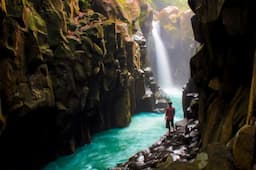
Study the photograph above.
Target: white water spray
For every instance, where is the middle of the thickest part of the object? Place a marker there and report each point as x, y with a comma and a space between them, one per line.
163, 71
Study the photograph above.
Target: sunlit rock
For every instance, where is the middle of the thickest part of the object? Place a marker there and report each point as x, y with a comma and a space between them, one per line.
176, 33
68, 72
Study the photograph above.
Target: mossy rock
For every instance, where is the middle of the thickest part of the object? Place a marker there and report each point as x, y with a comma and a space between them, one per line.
32, 19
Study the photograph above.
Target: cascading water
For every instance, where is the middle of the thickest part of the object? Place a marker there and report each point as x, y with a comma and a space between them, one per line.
162, 61
163, 70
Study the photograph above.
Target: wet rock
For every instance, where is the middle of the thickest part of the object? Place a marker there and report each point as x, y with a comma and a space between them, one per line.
166, 152
139, 38
166, 163
147, 104
189, 93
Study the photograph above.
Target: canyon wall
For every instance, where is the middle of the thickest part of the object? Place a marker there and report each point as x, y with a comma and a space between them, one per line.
69, 69
222, 69
223, 65
223, 72
177, 35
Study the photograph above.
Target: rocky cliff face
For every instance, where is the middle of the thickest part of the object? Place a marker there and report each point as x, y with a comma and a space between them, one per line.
223, 72
223, 65
68, 69
177, 35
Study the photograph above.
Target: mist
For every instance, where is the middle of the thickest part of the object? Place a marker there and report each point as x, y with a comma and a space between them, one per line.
177, 36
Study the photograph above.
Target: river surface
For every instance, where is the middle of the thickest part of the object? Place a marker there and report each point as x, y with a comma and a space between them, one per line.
115, 146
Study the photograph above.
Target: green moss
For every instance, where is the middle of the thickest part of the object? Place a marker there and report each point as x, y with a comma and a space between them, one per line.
32, 19
84, 4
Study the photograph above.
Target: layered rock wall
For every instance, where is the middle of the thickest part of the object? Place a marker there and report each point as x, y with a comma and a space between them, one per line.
223, 72
66, 73
222, 67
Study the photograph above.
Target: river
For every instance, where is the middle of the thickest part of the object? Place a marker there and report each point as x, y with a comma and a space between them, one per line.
115, 146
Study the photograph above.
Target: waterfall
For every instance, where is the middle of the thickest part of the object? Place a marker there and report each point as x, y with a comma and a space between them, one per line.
163, 72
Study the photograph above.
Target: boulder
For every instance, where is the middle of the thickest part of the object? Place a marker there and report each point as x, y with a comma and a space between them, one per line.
219, 157
244, 147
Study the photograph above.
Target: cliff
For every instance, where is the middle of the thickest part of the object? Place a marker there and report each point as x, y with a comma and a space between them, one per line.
69, 69
223, 70
223, 65
223, 74
177, 35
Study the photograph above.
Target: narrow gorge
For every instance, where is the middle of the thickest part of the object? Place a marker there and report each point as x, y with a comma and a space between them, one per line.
73, 69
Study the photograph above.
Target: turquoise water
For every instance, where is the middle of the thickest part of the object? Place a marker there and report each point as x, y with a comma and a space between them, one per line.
117, 145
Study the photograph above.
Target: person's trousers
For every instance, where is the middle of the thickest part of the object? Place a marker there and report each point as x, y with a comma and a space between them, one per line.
168, 123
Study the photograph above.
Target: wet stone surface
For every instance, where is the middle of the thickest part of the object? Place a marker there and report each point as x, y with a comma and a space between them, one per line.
181, 145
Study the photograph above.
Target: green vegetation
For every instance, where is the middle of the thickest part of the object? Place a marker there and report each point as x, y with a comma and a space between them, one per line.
159, 4
84, 4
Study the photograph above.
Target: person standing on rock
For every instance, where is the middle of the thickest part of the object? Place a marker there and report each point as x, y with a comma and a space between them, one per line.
169, 117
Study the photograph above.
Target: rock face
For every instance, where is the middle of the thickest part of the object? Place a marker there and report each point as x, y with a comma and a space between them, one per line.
222, 70
66, 73
180, 145
177, 35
